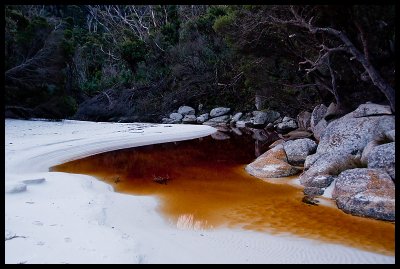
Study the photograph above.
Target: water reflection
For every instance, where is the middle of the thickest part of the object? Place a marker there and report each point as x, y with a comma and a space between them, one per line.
262, 137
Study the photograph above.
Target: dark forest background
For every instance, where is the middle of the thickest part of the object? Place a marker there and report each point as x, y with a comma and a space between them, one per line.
139, 63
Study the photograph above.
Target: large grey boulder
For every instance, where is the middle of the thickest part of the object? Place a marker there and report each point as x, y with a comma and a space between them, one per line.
303, 120
176, 117
287, 124
297, 150
365, 192
219, 111
371, 109
186, 110
189, 119
341, 145
353, 134
272, 164
317, 114
324, 166
202, 118
383, 157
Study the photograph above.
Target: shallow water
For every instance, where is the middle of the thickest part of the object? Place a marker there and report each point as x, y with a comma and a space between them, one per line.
208, 187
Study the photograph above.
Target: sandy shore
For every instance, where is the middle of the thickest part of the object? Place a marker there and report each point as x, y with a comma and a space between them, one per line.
72, 218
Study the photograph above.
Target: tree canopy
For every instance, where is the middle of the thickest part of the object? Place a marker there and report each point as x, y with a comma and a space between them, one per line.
99, 62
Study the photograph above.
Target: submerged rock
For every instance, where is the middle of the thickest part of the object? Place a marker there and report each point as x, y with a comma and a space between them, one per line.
309, 200
365, 192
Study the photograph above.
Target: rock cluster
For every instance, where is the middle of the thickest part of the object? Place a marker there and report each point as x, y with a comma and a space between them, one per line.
355, 152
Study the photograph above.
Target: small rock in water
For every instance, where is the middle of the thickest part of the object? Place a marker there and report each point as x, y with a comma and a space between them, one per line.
33, 181
309, 200
161, 180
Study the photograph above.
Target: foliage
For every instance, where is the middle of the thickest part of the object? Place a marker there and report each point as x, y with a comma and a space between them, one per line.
133, 52
285, 47
150, 59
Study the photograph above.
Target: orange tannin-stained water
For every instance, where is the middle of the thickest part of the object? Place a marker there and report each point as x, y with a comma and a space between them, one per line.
202, 182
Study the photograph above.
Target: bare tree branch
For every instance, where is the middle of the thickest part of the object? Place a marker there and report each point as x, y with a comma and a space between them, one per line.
347, 46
